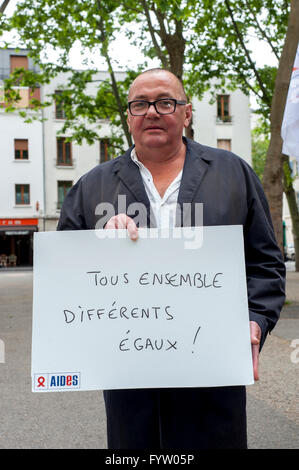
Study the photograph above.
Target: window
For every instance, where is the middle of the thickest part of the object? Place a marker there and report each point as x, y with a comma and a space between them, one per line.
23, 102
21, 149
104, 150
223, 111
59, 111
18, 61
26, 93
22, 193
225, 144
62, 188
64, 152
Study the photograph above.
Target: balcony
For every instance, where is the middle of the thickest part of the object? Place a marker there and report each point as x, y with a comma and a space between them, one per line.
6, 71
224, 119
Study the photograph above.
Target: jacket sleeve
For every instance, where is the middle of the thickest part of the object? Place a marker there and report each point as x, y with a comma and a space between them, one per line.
72, 211
265, 268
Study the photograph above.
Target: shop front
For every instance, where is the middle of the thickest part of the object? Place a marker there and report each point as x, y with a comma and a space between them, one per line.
16, 242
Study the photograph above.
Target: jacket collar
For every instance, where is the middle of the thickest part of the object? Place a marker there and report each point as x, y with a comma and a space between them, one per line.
195, 167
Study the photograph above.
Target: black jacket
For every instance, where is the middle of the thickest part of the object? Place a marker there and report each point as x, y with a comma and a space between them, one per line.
231, 194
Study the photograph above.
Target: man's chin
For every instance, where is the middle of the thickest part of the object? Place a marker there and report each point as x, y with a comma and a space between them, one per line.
155, 141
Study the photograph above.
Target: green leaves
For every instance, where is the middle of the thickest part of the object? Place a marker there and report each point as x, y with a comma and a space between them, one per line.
208, 40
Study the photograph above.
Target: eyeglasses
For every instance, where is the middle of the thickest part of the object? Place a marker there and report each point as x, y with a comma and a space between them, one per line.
162, 106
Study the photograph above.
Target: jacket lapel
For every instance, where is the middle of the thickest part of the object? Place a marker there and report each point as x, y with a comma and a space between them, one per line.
195, 168
129, 174
196, 165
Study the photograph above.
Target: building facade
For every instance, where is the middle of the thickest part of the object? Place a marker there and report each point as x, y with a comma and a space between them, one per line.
66, 161
21, 172
225, 123
39, 165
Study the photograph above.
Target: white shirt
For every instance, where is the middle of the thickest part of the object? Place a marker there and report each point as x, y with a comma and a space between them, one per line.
164, 208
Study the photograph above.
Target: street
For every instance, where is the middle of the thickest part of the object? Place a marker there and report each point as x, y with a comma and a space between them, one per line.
76, 420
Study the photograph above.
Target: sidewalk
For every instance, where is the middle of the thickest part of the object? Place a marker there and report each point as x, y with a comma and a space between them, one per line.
292, 286
273, 409
77, 419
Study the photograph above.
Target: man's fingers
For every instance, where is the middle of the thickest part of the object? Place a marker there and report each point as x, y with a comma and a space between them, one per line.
255, 336
122, 221
132, 229
255, 360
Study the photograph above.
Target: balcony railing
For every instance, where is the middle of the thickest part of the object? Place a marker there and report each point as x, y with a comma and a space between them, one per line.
6, 71
224, 119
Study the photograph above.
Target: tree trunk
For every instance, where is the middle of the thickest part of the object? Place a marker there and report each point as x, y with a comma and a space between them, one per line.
292, 203
104, 52
273, 173
119, 103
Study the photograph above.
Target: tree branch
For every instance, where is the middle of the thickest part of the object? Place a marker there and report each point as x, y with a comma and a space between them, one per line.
160, 17
266, 98
263, 33
158, 49
104, 50
4, 5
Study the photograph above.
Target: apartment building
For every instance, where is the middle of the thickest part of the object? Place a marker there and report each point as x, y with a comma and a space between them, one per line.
66, 161
21, 171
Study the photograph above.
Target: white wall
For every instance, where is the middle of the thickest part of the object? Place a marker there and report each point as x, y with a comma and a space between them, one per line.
20, 171
207, 130
84, 157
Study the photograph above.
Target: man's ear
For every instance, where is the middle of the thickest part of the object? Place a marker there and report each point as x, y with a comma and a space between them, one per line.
128, 120
188, 114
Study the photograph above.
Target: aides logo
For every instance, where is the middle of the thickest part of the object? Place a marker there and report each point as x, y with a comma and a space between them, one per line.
56, 382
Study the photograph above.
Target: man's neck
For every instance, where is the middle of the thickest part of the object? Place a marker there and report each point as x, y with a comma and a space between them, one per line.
156, 159
164, 166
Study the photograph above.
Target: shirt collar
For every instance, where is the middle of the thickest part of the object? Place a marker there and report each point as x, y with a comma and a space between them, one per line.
135, 158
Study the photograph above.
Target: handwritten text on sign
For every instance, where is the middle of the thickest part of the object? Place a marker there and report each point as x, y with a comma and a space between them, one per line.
139, 314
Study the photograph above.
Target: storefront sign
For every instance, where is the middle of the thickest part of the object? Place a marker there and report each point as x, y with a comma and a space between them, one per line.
17, 222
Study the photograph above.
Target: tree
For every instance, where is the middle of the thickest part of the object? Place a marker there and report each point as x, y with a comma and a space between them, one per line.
277, 24
43, 23
206, 42
193, 30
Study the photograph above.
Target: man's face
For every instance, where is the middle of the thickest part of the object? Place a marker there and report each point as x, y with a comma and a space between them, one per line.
155, 130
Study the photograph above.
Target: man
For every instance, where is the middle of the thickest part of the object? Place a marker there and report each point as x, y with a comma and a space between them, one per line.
162, 168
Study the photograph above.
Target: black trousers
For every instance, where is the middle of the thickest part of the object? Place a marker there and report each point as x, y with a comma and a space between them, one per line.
183, 418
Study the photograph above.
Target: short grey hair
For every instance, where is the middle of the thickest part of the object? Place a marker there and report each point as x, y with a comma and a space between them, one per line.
159, 70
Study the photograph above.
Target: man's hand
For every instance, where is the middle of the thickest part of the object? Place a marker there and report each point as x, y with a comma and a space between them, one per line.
123, 221
255, 335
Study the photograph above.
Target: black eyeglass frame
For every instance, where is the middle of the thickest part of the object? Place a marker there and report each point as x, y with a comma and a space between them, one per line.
153, 103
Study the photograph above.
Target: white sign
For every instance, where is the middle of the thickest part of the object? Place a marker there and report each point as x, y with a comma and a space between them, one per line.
110, 313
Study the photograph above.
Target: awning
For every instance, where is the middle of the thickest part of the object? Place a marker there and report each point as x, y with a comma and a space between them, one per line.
15, 230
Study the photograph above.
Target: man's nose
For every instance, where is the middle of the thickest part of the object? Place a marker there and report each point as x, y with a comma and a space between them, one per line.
152, 111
